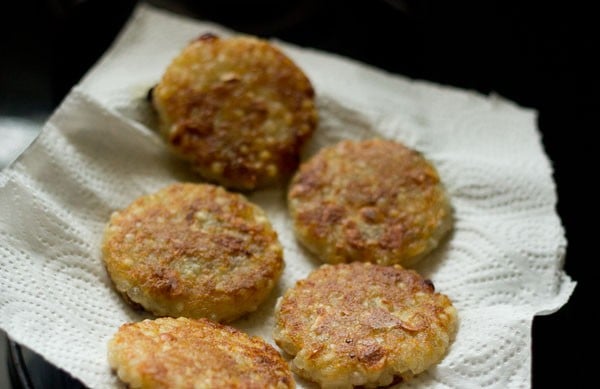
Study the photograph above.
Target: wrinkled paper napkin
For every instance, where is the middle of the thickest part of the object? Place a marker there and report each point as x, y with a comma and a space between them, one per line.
501, 265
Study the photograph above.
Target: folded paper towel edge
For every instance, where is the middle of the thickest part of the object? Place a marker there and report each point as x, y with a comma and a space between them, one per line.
566, 287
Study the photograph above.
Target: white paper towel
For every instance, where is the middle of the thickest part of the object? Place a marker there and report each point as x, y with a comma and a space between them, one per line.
501, 265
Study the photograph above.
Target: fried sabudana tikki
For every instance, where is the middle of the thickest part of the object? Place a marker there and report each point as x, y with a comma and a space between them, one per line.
237, 108
193, 250
189, 353
363, 324
372, 201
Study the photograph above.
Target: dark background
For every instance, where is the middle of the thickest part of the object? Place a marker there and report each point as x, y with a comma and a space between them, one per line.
535, 53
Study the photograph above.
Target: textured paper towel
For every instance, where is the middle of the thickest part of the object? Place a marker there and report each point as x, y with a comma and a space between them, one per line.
501, 265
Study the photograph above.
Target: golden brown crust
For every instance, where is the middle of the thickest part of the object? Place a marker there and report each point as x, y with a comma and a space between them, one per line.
193, 250
363, 324
238, 109
187, 353
372, 201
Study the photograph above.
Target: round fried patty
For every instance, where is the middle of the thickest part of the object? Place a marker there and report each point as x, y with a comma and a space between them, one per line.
363, 324
193, 250
237, 108
372, 201
188, 353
